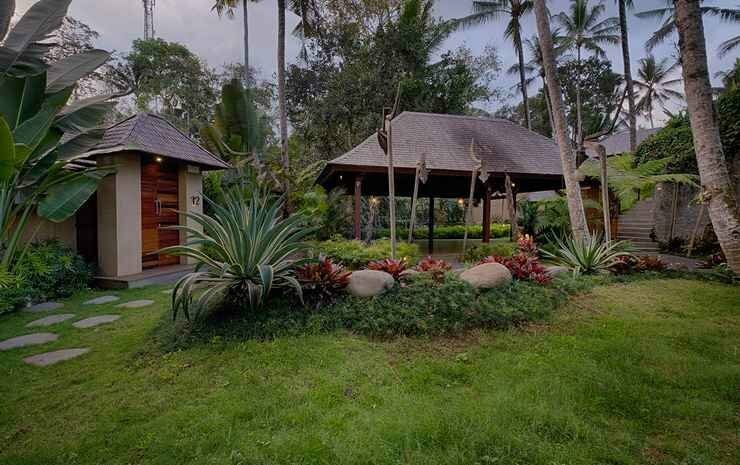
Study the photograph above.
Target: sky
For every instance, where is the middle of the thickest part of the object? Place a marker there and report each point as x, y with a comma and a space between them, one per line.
219, 40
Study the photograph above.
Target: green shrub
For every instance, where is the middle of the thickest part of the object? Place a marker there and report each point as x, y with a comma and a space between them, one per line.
357, 254
51, 270
481, 251
14, 297
249, 253
475, 231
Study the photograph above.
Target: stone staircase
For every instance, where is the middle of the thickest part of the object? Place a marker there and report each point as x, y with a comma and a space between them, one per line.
636, 225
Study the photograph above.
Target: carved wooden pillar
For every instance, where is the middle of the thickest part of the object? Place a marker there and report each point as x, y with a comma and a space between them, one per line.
358, 207
487, 214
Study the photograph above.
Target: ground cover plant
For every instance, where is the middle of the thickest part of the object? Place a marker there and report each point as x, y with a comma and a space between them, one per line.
639, 372
357, 254
455, 231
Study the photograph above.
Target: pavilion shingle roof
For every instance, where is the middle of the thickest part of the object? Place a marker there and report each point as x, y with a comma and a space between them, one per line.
153, 134
619, 142
507, 147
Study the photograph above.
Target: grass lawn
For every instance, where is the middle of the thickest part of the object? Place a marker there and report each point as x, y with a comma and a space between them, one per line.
647, 372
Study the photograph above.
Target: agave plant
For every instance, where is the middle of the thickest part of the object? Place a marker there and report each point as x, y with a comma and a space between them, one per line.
244, 251
589, 255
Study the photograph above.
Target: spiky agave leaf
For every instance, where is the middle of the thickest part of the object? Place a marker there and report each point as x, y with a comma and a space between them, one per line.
244, 249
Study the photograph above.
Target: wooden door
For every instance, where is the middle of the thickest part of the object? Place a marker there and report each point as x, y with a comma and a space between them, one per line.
159, 197
87, 230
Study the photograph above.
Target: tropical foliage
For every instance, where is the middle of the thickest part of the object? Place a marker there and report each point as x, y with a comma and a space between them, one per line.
357, 254
322, 281
246, 252
40, 133
589, 255
390, 266
630, 181
654, 85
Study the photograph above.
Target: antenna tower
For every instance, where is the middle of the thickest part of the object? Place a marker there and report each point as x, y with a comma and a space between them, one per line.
148, 19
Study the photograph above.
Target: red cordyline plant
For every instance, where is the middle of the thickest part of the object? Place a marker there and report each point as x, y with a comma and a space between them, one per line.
390, 266
322, 281
650, 263
525, 265
437, 268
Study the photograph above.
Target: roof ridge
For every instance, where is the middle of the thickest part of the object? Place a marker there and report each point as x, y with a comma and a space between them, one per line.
450, 115
187, 137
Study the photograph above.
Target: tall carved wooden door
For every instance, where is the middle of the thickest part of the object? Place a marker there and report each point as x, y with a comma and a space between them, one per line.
159, 197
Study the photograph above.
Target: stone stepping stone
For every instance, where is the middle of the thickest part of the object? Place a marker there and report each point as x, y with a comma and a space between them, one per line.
51, 320
101, 300
28, 340
44, 307
95, 321
136, 304
50, 358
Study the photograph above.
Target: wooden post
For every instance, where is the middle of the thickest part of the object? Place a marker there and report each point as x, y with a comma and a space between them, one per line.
391, 185
430, 239
487, 214
420, 175
512, 208
674, 210
699, 217
358, 207
601, 150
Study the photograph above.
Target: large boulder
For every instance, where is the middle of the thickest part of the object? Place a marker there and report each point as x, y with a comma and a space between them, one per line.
487, 276
368, 283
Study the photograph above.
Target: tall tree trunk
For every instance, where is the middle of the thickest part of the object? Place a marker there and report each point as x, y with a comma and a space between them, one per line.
568, 160
247, 74
281, 92
717, 186
628, 75
522, 79
547, 105
579, 120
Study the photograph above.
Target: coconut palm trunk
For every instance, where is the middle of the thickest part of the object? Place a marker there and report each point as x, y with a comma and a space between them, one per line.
522, 78
281, 95
577, 215
547, 105
579, 117
628, 74
717, 187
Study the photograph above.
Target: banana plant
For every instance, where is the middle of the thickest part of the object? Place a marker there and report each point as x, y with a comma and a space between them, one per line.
40, 132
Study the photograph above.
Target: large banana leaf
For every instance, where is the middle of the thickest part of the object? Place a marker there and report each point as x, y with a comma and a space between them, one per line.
32, 131
22, 52
79, 144
67, 71
84, 114
7, 151
64, 199
7, 7
21, 98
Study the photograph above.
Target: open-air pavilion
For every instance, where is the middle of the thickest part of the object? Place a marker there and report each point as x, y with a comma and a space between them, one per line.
530, 160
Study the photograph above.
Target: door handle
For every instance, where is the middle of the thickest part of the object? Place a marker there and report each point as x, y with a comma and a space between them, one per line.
157, 207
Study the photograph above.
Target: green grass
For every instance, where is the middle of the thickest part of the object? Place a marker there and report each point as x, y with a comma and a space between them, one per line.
646, 372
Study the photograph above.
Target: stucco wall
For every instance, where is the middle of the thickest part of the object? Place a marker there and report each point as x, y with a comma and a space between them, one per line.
119, 216
190, 190
65, 231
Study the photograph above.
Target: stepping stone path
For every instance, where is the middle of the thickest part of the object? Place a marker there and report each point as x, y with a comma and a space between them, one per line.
101, 300
44, 307
136, 304
50, 358
51, 320
95, 321
28, 340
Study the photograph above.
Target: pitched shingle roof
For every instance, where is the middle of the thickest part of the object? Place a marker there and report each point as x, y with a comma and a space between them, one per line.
155, 135
507, 147
619, 142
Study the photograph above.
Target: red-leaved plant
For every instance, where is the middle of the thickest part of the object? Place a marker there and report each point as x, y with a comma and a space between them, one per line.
322, 281
437, 268
390, 266
525, 265
650, 263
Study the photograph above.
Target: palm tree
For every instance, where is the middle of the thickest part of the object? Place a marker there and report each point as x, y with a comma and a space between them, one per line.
484, 12
228, 7
655, 85
577, 215
727, 46
632, 116
281, 93
534, 68
717, 186
584, 29
668, 15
